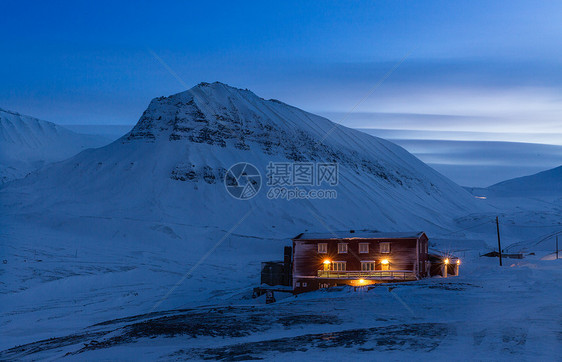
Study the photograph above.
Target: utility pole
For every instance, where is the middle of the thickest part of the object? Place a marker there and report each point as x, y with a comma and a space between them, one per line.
499, 242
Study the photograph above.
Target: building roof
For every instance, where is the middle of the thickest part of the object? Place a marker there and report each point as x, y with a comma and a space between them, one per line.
359, 234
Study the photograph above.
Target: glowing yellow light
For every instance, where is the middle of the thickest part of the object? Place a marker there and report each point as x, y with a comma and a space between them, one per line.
458, 261
385, 261
361, 281
446, 261
327, 261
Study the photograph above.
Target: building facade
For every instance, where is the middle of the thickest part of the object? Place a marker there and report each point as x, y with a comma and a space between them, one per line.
357, 258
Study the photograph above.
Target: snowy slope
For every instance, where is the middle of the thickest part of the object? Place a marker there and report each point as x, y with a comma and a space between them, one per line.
26, 143
172, 164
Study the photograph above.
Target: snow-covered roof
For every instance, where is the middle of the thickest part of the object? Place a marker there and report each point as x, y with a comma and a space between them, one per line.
359, 234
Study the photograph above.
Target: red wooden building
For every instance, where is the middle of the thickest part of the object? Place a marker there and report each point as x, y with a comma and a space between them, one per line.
322, 260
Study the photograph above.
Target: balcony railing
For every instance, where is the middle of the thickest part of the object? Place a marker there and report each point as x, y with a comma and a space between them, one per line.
369, 275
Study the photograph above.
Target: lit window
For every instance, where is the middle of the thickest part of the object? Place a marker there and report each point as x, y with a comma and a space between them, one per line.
385, 248
367, 265
339, 265
322, 248
363, 248
342, 248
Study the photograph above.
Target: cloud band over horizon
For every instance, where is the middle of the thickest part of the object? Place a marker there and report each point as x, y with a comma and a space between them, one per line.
475, 67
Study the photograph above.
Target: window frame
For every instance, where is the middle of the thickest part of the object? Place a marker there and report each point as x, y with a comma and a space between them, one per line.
367, 245
384, 247
346, 247
322, 248
372, 263
342, 263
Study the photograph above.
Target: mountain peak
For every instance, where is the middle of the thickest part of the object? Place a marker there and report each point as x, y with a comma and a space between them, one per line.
207, 108
215, 85
214, 89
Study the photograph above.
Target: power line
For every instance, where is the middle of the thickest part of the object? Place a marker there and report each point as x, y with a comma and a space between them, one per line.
528, 243
468, 228
530, 226
524, 243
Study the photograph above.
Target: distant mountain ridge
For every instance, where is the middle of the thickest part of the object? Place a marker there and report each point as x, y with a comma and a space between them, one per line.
545, 183
27, 143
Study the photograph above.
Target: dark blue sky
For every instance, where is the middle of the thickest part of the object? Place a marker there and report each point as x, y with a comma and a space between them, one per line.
476, 65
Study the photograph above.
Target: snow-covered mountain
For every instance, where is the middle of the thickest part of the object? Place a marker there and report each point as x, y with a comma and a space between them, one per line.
172, 164
27, 143
546, 183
